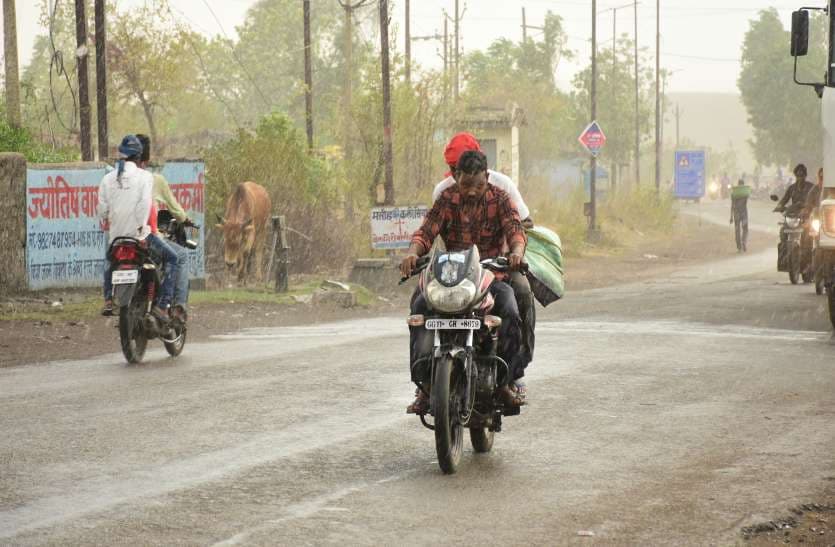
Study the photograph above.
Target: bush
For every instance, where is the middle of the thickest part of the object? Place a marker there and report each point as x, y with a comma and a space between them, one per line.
20, 140
302, 187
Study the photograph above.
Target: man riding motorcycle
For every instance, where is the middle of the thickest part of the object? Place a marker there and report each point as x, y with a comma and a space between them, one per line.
162, 195
125, 204
797, 193
463, 142
471, 212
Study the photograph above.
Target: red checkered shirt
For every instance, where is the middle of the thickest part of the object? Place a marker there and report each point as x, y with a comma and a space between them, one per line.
489, 224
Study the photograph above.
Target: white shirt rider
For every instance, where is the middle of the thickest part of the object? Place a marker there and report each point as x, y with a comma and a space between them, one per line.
499, 180
126, 203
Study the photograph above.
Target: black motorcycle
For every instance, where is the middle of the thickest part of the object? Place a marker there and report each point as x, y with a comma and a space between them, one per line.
137, 275
464, 369
794, 251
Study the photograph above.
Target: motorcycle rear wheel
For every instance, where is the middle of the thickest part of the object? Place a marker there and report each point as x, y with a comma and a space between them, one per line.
175, 348
830, 297
482, 439
131, 333
449, 434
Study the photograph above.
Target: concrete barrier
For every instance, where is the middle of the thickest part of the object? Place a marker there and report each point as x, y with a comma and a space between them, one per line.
12, 222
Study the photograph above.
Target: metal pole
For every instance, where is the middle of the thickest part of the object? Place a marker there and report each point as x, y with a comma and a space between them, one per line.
387, 144
678, 115
408, 46
308, 77
524, 27
456, 54
637, 106
593, 173
614, 174
12, 72
101, 80
657, 96
446, 56
83, 83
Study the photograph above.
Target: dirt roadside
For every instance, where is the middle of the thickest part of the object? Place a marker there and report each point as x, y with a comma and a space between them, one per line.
65, 325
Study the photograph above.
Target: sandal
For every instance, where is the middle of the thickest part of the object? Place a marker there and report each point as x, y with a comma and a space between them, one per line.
420, 404
510, 398
520, 388
107, 310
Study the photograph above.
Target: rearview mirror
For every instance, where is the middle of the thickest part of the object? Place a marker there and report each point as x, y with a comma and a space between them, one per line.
800, 33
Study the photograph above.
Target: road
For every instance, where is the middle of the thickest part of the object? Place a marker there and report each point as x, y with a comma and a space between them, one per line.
674, 411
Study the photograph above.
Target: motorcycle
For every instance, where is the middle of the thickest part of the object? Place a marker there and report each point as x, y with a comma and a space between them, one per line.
137, 275
464, 369
794, 251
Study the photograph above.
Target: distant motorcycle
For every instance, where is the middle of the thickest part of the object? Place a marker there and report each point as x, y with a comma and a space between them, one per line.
794, 251
465, 371
137, 275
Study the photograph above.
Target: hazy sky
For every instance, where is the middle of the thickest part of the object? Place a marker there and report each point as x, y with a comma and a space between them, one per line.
700, 41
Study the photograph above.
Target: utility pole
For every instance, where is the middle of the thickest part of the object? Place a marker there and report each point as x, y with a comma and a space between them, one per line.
308, 77
524, 27
593, 174
387, 143
12, 74
446, 57
101, 80
678, 116
348, 89
637, 106
657, 96
456, 54
408, 47
83, 84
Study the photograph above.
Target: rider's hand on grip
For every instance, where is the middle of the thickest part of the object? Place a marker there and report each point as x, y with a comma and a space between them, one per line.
407, 266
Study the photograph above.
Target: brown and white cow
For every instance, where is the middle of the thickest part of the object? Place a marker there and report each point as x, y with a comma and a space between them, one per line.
245, 229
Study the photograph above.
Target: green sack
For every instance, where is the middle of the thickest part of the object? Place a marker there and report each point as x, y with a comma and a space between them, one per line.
743, 191
545, 269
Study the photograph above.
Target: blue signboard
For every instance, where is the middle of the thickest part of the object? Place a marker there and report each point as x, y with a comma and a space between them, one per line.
690, 174
65, 244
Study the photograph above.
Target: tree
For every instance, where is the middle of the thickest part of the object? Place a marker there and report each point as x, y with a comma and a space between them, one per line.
616, 101
785, 117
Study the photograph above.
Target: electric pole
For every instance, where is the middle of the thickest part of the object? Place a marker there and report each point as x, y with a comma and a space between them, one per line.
593, 173
446, 57
308, 77
101, 80
637, 106
678, 117
408, 46
456, 54
83, 84
526, 26
657, 96
387, 143
348, 89
12, 74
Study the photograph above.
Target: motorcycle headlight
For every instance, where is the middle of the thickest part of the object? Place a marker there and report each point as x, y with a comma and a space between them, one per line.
816, 225
713, 187
450, 299
792, 222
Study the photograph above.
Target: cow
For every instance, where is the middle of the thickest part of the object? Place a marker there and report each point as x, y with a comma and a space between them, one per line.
245, 229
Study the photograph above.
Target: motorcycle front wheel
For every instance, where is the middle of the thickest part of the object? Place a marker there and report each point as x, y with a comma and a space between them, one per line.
131, 332
794, 266
449, 434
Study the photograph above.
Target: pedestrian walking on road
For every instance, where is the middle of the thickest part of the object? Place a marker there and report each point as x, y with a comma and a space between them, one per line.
739, 214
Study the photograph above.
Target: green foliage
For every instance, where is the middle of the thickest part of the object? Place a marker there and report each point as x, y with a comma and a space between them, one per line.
302, 187
785, 117
21, 141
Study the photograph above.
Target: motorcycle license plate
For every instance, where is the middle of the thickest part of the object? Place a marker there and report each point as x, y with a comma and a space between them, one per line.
453, 324
123, 277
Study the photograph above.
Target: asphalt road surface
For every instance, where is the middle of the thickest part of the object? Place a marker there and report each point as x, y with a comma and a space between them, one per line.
676, 410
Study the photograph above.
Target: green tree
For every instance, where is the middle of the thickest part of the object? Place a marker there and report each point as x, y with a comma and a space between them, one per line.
616, 102
785, 117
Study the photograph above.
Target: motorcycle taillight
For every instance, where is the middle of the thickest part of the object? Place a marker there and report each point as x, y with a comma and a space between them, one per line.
125, 253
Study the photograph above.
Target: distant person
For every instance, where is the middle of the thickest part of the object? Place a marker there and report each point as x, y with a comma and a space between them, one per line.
739, 214
813, 199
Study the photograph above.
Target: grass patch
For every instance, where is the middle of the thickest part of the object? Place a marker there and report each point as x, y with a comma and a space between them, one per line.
43, 312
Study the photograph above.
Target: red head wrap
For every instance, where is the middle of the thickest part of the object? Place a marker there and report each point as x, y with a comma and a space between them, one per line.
460, 143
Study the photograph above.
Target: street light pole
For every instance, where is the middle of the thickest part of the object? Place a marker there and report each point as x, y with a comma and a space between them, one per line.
637, 106
593, 173
657, 96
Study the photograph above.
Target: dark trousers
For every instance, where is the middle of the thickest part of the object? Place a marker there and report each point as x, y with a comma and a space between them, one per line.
510, 333
741, 231
527, 311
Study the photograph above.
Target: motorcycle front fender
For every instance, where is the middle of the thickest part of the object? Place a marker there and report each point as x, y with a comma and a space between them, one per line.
123, 294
